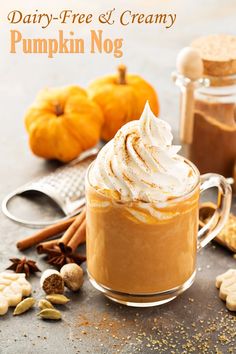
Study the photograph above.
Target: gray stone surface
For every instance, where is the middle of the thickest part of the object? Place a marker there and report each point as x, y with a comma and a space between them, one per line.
197, 321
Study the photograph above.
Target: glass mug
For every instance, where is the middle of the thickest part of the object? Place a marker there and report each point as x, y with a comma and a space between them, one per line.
141, 254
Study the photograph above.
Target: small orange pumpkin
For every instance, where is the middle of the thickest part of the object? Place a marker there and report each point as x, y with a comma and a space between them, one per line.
62, 123
122, 98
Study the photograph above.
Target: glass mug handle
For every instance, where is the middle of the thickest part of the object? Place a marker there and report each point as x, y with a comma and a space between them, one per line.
220, 216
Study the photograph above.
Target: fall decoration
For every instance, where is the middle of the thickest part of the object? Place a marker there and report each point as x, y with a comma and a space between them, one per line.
62, 123
122, 98
23, 265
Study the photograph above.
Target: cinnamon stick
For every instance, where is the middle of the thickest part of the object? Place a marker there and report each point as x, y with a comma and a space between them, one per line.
78, 237
44, 234
43, 247
70, 232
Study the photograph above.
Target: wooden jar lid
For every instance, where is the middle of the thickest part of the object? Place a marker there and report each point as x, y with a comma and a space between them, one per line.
218, 53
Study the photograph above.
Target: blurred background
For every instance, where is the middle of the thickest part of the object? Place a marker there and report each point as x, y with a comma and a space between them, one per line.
149, 50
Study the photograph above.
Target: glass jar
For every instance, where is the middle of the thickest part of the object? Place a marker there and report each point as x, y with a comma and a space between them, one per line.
213, 148
208, 102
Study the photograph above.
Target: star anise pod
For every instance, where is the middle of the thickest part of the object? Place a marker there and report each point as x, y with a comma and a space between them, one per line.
23, 265
59, 258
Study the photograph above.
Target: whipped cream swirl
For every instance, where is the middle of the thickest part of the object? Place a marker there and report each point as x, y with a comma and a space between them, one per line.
141, 163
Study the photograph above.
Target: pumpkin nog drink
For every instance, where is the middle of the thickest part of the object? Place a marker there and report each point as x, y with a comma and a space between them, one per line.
142, 215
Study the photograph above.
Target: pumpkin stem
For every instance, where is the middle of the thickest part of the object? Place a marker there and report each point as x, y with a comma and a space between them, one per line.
58, 109
122, 74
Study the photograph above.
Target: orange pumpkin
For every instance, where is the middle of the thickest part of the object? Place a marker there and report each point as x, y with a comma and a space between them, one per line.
122, 98
62, 123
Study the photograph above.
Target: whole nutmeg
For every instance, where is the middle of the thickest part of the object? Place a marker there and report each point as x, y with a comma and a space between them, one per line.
72, 274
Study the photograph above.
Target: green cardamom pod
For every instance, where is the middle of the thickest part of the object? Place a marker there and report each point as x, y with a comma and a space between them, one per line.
57, 299
45, 304
24, 306
50, 314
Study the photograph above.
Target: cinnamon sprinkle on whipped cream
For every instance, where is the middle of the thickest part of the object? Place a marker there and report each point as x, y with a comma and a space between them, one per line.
141, 164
